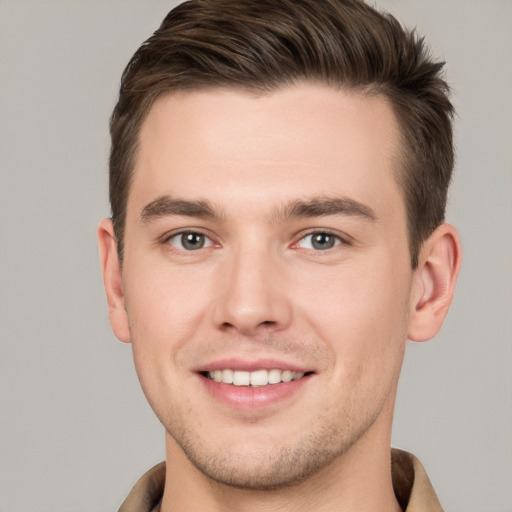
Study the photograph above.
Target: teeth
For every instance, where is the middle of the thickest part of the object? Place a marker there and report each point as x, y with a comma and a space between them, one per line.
274, 376
241, 378
287, 376
257, 378
227, 376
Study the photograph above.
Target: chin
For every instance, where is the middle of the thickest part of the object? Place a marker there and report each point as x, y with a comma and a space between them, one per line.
267, 465
261, 473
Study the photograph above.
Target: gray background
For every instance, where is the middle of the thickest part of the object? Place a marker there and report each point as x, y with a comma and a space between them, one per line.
75, 428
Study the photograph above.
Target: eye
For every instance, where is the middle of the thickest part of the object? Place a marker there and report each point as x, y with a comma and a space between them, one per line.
189, 241
319, 241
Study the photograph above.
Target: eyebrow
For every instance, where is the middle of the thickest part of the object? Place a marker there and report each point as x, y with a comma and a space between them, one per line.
166, 205
325, 205
314, 207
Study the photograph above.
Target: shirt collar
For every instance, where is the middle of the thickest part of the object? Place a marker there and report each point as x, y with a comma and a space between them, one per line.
411, 484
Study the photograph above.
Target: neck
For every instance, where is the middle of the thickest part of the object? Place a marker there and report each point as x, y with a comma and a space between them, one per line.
360, 479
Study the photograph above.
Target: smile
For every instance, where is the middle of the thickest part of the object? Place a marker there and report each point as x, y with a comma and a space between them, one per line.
256, 378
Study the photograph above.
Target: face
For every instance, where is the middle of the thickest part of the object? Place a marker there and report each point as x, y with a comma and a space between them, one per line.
266, 278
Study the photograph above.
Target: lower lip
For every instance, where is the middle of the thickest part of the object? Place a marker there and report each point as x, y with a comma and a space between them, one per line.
247, 397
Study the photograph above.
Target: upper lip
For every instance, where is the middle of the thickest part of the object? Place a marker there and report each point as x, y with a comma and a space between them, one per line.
251, 365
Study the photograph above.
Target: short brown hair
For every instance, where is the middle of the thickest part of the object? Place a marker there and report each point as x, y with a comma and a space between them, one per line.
262, 45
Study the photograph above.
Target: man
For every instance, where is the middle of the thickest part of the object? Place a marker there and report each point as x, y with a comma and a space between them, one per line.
278, 180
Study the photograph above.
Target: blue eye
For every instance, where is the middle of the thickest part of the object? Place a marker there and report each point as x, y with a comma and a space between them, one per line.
190, 241
319, 241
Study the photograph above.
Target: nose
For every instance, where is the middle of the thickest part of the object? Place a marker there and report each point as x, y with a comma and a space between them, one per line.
253, 297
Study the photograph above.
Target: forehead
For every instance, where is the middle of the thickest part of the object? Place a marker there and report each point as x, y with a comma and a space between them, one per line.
302, 140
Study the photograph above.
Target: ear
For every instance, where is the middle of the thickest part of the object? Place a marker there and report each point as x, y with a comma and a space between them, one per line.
113, 280
434, 282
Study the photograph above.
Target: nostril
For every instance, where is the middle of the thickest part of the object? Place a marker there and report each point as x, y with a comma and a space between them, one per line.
226, 326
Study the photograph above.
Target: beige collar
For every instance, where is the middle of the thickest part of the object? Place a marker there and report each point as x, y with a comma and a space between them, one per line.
411, 484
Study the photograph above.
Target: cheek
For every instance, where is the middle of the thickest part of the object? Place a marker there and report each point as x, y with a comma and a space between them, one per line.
164, 304
362, 312
163, 308
364, 323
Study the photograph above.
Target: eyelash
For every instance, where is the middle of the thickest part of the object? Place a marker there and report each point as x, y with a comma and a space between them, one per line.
338, 240
180, 234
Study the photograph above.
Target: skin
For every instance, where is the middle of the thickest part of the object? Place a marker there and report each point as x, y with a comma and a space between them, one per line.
260, 289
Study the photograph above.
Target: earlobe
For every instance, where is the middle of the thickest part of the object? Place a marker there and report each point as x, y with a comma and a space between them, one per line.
434, 285
112, 280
